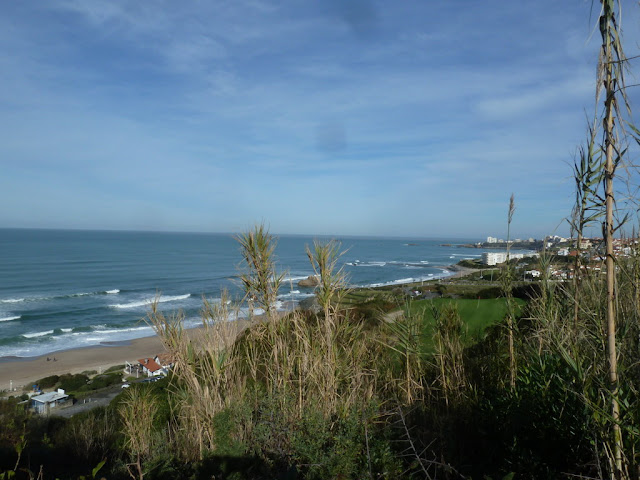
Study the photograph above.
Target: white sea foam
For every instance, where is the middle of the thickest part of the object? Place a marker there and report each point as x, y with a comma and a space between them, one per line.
81, 339
429, 276
405, 280
43, 298
77, 339
358, 263
149, 301
37, 334
295, 279
8, 319
295, 294
110, 331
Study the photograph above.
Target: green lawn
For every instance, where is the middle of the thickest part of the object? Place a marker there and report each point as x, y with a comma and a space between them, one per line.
475, 314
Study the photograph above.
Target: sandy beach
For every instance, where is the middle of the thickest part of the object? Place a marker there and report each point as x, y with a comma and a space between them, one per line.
17, 373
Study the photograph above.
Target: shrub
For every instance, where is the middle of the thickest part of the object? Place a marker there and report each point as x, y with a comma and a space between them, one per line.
471, 263
103, 381
48, 382
72, 383
115, 368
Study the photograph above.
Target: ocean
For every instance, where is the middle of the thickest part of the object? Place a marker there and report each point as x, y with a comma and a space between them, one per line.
62, 289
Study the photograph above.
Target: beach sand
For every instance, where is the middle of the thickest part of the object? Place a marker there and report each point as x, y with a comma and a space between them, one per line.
19, 373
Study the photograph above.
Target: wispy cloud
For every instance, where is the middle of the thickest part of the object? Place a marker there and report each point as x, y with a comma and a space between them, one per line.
220, 114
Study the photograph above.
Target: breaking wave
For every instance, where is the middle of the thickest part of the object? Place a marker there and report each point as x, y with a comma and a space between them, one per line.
149, 301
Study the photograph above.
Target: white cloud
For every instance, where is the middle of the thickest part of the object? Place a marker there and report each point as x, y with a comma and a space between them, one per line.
246, 106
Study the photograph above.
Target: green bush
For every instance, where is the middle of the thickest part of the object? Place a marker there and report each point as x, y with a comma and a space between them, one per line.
467, 263
540, 428
48, 382
101, 381
115, 368
72, 383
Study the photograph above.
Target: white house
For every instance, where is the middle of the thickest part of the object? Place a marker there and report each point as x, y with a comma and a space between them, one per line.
150, 367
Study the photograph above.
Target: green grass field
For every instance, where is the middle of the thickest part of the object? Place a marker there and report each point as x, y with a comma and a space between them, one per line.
477, 315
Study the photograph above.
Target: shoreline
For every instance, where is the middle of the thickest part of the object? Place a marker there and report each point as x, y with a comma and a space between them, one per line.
17, 373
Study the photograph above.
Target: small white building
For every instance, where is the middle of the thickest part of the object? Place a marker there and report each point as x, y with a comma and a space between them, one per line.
44, 403
585, 243
156, 366
150, 367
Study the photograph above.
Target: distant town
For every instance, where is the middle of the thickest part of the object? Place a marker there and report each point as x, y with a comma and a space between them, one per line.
563, 251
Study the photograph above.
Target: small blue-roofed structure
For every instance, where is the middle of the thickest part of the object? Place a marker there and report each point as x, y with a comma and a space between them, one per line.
44, 403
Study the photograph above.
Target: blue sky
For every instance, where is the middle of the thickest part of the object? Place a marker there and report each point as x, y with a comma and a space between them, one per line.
336, 117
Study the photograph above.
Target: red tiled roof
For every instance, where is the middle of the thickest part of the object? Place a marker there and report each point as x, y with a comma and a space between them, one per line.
150, 364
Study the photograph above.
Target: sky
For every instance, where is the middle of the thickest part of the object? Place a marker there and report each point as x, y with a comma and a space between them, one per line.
345, 117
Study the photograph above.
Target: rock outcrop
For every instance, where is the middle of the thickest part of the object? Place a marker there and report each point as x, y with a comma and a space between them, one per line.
310, 281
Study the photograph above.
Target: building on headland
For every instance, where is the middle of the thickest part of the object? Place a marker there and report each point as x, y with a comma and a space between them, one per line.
496, 242
494, 258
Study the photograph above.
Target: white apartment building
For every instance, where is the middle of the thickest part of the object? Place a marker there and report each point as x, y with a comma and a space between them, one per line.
493, 258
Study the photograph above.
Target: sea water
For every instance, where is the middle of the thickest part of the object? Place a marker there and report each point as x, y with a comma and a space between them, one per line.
69, 289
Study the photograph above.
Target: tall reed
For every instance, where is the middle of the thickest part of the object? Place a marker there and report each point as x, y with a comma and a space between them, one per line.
204, 379
448, 335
